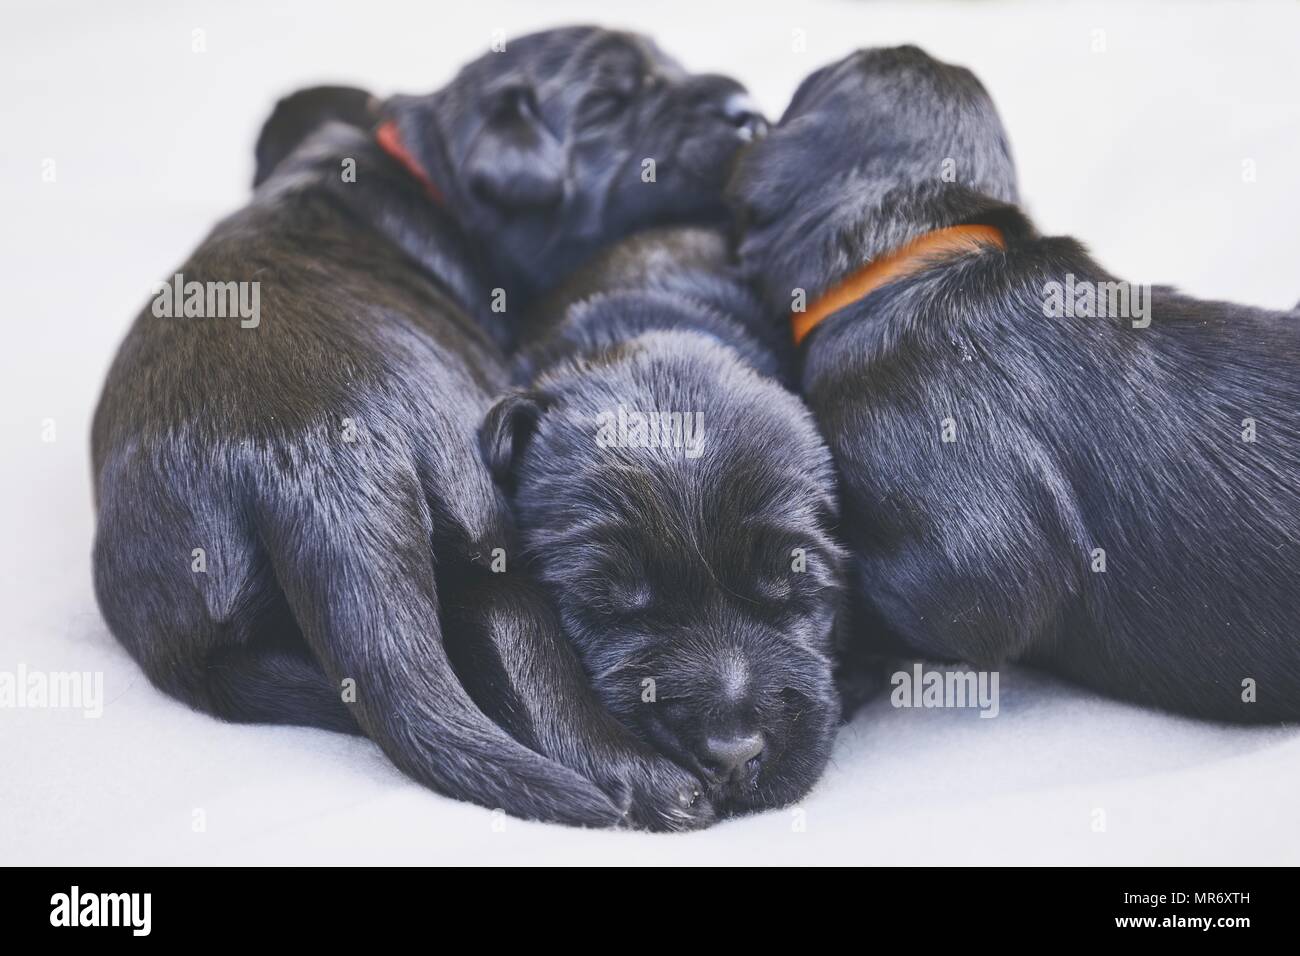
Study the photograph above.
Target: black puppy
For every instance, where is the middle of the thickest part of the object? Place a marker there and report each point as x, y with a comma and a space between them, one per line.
1039, 462
676, 499
295, 524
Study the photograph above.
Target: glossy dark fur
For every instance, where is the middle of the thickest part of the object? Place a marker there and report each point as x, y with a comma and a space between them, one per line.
327, 461
297, 116
1072, 434
673, 569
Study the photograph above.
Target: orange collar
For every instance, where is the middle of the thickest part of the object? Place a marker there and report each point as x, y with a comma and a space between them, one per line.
390, 141
903, 261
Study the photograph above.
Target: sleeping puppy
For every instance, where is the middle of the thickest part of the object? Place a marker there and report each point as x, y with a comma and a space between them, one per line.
676, 500
295, 524
1106, 486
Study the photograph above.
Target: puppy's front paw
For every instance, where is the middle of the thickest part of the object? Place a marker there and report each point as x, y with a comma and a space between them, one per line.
656, 794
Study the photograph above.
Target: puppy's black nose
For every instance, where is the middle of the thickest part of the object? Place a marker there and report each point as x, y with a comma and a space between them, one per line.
732, 758
742, 112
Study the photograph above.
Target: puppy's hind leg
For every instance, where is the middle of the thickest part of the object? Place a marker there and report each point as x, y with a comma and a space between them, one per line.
351, 545
187, 591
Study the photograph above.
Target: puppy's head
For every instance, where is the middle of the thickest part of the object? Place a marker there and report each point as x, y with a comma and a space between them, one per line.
690, 557
872, 149
571, 138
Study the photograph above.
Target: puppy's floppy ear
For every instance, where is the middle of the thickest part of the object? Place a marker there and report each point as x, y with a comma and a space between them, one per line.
506, 431
515, 160
300, 114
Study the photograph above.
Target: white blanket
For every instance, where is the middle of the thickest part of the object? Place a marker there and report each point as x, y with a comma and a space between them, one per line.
1164, 137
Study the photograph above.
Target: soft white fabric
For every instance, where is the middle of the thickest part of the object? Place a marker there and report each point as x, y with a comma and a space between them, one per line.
1139, 150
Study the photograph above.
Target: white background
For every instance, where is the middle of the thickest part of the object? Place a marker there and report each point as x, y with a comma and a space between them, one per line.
1137, 150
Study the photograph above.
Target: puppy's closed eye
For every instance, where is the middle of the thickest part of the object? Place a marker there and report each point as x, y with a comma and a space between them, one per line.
617, 588
629, 596
774, 589
789, 593
791, 567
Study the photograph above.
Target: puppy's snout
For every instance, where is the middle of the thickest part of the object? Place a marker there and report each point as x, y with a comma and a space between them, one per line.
741, 111
731, 759
725, 99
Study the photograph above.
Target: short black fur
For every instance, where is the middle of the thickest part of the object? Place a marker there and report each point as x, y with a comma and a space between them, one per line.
699, 590
1072, 435
326, 461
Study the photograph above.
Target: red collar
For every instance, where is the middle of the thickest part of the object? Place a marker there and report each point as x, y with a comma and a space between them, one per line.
390, 141
903, 261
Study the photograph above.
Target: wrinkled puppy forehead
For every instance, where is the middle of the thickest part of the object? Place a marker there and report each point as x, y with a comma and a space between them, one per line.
671, 425
554, 61
625, 53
